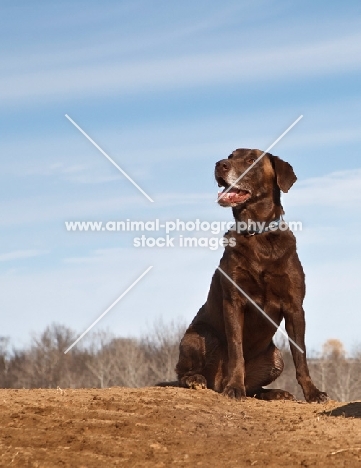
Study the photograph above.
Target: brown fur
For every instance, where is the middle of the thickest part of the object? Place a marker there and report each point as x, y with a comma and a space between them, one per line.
228, 347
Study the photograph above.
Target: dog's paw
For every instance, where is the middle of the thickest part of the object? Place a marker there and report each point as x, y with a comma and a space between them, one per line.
316, 396
235, 392
197, 382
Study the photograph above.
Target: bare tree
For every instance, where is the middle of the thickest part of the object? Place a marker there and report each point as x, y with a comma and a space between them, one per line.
44, 364
104, 360
136, 363
116, 361
339, 374
4, 360
162, 349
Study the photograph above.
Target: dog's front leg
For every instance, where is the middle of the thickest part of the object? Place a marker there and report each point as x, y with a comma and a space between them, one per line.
295, 327
233, 314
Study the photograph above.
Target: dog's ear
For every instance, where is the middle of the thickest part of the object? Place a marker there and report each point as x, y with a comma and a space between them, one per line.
285, 176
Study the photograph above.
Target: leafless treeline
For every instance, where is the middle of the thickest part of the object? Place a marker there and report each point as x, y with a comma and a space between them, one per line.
103, 360
100, 360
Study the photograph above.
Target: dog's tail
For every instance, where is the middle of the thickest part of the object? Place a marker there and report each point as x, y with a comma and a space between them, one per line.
174, 383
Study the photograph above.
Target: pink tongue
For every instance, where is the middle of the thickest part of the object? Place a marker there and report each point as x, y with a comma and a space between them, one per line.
229, 192
232, 195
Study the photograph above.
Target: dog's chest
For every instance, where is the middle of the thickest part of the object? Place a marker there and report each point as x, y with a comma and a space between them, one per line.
260, 265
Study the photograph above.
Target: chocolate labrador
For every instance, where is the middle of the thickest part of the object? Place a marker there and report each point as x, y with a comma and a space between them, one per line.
228, 347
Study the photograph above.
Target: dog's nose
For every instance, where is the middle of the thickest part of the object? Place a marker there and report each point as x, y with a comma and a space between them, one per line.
224, 165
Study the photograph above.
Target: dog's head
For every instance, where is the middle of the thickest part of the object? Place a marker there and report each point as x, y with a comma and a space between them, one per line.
244, 184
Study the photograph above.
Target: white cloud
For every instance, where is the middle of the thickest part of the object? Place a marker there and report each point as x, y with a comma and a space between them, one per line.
103, 45
325, 135
91, 178
327, 235
338, 190
329, 56
36, 209
21, 254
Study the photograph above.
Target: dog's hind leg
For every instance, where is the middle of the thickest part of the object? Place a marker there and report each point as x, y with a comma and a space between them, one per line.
191, 363
263, 370
200, 364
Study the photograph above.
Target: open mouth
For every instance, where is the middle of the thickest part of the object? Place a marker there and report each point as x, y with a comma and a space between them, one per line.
233, 195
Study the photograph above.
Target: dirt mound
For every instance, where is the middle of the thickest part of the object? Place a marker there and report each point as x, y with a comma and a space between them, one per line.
172, 427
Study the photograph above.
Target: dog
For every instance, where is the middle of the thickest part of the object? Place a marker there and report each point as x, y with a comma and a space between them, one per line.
229, 345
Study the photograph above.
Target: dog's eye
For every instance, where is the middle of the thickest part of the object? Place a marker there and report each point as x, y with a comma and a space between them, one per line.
251, 160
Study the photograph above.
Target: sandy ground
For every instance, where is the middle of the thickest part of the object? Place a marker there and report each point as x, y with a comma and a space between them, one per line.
172, 427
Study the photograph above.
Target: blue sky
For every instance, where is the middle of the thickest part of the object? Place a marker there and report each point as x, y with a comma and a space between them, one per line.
167, 89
